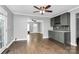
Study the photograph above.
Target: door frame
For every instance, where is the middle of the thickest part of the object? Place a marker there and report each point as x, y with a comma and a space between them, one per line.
39, 21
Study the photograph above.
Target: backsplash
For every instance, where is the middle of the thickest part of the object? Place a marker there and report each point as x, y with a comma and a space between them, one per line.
61, 28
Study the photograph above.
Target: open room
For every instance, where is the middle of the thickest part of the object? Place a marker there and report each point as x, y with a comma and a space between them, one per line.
39, 29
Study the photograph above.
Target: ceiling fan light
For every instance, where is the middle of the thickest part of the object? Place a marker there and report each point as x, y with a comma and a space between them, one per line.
43, 11
40, 12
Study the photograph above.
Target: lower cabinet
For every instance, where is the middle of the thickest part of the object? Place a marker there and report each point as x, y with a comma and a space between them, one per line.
61, 37
51, 34
56, 36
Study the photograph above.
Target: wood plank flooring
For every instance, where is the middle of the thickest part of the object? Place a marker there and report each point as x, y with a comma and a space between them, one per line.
46, 47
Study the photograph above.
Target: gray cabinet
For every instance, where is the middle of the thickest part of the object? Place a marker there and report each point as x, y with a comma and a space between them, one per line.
62, 37
65, 19
57, 20
52, 21
51, 34
67, 38
57, 36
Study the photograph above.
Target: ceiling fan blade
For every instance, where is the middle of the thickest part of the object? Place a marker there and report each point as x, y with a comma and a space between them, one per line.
48, 10
36, 7
48, 6
35, 11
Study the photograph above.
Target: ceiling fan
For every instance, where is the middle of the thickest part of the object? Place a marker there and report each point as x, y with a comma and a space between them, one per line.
43, 9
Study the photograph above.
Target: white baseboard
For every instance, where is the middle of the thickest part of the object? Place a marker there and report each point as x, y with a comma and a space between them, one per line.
45, 37
2, 49
10, 43
73, 44
20, 39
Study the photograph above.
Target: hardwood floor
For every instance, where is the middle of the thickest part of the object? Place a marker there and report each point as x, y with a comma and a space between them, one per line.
46, 47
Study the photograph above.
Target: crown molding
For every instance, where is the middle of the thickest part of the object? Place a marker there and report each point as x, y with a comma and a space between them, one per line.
17, 13
72, 9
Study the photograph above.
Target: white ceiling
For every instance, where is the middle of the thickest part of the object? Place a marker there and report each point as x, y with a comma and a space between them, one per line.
28, 10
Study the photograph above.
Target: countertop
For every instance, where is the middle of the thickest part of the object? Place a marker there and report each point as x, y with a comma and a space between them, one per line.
58, 31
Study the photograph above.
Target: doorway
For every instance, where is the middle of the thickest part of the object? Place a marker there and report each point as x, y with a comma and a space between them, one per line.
34, 36
34, 27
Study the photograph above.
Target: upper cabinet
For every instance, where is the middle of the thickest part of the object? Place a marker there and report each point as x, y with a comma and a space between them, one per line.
52, 22
57, 20
63, 19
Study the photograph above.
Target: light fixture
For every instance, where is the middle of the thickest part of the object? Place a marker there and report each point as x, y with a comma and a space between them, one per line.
42, 11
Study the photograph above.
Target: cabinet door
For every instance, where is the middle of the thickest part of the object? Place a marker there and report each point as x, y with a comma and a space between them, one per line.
53, 34
50, 34
67, 38
61, 37
56, 36
65, 19
57, 20
52, 22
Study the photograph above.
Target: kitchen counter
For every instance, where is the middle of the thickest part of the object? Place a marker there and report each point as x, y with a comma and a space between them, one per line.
58, 31
60, 36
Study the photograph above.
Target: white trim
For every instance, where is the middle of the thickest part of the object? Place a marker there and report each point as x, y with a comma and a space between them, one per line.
10, 43
16, 13
73, 44
3, 11
2, 49
20, 39
65, 11
72, 9
45, 37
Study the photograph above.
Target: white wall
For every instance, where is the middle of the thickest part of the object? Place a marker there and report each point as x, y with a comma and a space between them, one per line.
9, 24
10, 35
20, 22
73, 26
